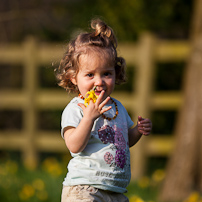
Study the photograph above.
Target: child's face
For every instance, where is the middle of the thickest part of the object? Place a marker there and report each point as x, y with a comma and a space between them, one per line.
95, 70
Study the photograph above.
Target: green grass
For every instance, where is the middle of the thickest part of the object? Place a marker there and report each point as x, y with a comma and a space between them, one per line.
17, 184
44, 184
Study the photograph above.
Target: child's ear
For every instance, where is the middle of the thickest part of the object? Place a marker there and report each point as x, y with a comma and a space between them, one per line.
73, 80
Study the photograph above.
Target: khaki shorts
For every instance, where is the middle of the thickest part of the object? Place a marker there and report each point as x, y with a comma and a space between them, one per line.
86, 193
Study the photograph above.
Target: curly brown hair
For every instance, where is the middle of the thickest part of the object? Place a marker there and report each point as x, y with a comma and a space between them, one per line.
102, 37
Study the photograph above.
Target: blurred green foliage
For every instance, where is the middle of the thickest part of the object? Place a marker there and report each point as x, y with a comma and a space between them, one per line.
59, 20
168, 18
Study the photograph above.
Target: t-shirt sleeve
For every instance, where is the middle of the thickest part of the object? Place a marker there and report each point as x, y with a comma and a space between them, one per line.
129, 121
71, 116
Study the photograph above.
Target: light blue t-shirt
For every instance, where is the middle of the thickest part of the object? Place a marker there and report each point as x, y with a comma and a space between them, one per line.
105, 162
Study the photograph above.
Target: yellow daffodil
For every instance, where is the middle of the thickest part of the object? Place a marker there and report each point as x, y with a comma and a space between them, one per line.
158, 175
26, 192
144, 182
90, 95
136, 199
193, 197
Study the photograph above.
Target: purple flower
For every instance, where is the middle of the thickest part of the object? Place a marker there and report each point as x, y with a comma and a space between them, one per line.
106, 134
120, 158
108, 157
120, 142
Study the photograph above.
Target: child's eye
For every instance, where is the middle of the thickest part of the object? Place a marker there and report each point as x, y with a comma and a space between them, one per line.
90, 75
107, 73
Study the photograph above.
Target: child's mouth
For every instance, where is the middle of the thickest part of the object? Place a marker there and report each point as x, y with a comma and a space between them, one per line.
97, 92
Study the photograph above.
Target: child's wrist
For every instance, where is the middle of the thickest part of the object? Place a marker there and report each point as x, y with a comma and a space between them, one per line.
89, 119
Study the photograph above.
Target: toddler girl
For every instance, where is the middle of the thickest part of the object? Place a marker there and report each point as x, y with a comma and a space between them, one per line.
98, 135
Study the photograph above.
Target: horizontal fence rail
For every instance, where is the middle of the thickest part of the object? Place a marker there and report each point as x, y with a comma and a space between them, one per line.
143, 55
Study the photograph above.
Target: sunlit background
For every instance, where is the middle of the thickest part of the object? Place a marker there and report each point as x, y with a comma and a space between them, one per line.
33, 164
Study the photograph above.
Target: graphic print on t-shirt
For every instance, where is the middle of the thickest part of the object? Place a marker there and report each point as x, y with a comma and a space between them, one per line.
114, 135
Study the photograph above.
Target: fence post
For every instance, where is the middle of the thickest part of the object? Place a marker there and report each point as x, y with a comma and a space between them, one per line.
143, 86
30, 86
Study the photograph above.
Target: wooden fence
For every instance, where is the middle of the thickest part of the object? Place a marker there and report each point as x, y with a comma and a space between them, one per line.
143, 55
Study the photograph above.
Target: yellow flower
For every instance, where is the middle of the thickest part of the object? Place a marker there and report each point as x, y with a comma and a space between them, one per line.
135, 199
42, 195
38, 184
52, 166
143, 182
193, 197
11, 166
90, 95
158, 175
3, 170
26, 192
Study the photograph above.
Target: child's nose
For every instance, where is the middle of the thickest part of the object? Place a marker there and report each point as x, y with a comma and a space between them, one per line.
99, 81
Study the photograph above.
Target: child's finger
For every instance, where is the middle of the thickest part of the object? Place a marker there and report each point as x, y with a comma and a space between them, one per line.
104, 102
99, 99
105, 109
140, 118
81, 105
145, 125
146, 134
145, 121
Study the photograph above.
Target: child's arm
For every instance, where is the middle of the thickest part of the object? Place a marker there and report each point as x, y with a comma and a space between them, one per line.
143, 127
77, 138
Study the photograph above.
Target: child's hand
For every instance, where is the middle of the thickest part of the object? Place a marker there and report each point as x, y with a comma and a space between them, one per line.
144, 126
94, 110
